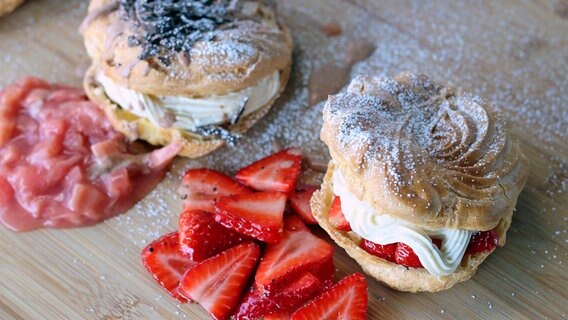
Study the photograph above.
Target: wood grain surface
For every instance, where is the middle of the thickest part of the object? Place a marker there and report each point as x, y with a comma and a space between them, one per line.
514, 53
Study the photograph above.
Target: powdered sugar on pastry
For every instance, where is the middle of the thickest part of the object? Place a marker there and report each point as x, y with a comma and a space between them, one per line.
434, 156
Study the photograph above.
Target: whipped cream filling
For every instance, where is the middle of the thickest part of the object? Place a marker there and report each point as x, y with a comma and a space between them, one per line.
191, 113
383, 229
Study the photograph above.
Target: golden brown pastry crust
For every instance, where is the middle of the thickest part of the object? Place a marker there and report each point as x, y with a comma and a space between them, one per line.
135, 127
236, 59
431, 155
7, 6
393, 275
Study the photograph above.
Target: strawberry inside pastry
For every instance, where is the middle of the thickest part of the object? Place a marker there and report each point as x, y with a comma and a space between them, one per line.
403, 253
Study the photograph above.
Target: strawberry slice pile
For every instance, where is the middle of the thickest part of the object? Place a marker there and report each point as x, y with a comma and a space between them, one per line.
243, 249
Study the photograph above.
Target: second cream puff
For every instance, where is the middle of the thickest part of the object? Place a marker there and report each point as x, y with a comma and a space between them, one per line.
198, 72
423, 180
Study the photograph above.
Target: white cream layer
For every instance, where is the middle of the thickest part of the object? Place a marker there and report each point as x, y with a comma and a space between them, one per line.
190, 113
382, 229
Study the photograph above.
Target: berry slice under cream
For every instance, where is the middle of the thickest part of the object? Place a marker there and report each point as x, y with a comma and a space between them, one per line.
382, 229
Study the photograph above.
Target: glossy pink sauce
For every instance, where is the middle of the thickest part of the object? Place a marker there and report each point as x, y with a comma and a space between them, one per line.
62, 164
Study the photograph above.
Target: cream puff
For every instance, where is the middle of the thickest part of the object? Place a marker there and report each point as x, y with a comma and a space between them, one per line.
202, 72
422, 183
7, 6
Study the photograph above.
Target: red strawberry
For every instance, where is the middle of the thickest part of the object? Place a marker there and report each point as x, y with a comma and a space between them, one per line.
336, 217
293, 223
167, 264
298, 252
201, 187
328, 284
259, 215
277, 172
286, 299
200, 237
386, 252
483, 241
345, 300
278, 316
300, 202
217, 283
405, 256
325, 272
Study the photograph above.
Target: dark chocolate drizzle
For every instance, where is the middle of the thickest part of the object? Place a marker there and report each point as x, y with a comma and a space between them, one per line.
173, 26
219, 132
237, 115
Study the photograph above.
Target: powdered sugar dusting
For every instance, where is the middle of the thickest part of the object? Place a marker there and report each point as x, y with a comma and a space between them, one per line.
292, 122
433, 148
511, 54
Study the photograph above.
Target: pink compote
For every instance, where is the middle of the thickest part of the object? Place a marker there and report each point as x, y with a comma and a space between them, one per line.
61, 162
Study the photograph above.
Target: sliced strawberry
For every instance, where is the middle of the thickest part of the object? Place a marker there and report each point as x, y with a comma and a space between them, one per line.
483, 241
345, 300
278, 316
300, 202
298, 252
285, 299
217, 283
336, 217
325, 272
328, 284
386, 252
405, 256
258, 215
277, 172
167, 264
200, 237
201, 187
294, 295
293, 223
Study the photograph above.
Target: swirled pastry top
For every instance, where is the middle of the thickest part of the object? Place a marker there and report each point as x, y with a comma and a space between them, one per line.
245, 47
431, 155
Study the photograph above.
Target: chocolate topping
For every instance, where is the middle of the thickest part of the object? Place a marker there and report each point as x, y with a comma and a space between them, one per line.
237, 116
169, 27
218, 132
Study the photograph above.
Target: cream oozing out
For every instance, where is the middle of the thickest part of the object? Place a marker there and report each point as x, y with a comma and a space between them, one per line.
383, 229
191, 113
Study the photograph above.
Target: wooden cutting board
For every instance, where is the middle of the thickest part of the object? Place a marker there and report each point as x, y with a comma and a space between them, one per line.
515, 53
